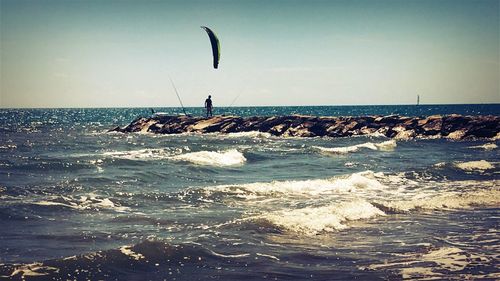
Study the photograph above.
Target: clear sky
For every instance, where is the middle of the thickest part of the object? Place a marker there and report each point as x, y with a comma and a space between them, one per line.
120, 53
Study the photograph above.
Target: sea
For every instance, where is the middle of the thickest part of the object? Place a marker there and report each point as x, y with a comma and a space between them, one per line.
79, 203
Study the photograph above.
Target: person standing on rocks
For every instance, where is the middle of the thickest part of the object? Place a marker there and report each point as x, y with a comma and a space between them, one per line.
208, 105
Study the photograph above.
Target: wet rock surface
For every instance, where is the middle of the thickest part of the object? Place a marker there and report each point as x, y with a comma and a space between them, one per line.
455, 127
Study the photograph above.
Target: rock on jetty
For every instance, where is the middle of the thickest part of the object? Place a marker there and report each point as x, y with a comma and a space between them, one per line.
456, 127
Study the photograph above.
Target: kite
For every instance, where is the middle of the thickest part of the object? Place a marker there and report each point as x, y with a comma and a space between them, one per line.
215, 45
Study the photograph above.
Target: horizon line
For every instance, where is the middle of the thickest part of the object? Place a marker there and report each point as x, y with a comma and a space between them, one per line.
243, 106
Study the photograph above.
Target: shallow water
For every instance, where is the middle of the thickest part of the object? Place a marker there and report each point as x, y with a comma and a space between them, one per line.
79, 201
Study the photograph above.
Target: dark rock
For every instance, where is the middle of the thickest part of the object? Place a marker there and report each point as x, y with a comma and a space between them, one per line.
279, 129
251, 124
484, 127
453, 126
454, 122
136, 125
367, 131
409, 123
349, 127
431, 125
115, 129
172, 128
335, 130
230, 127
385, 131
156, 128
209, 125
405, 135
457, 135
299, 131
387, 120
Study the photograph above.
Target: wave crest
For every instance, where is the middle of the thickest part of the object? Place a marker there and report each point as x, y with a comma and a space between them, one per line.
213, 158
470, 166
488, 197
438, 263
85, 202
314, 220
149, 259
351, 183
250, 134
383, 146
486, 146
140, 154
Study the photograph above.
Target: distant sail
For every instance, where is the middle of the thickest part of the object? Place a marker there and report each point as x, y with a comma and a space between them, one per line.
215, 45
418, 99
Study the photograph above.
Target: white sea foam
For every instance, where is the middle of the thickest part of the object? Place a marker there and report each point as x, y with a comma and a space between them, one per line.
88, 202
440, 165
251, 134
140, 154
126, 250
268, 256
450, 200
8, 146
315, 187
450, 258
314, 220
33, 269
386, 145
229, 255
480, 165
213, 158
495, 138
375, 134
486, 146
383, 146
436, 264
392, 192
305, 206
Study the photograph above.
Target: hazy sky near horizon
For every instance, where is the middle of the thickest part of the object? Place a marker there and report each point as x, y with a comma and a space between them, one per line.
121, 53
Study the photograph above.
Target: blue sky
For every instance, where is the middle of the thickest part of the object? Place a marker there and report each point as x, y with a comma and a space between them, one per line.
121, 53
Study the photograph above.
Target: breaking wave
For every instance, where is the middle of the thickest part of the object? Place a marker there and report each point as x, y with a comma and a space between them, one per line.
251, 134
437, 264
140, 154
314, 187
486, 146
306, 206
471, 166
84, 202
337, 216
149, 259
213, 158
314, 220
383, 146
455, 200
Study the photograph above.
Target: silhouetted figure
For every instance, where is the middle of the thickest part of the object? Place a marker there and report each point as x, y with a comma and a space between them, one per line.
208, 105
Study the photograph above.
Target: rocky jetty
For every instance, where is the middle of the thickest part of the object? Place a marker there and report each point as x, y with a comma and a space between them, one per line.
456, 127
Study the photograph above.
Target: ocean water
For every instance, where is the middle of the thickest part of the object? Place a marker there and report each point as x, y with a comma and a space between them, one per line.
78, 203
